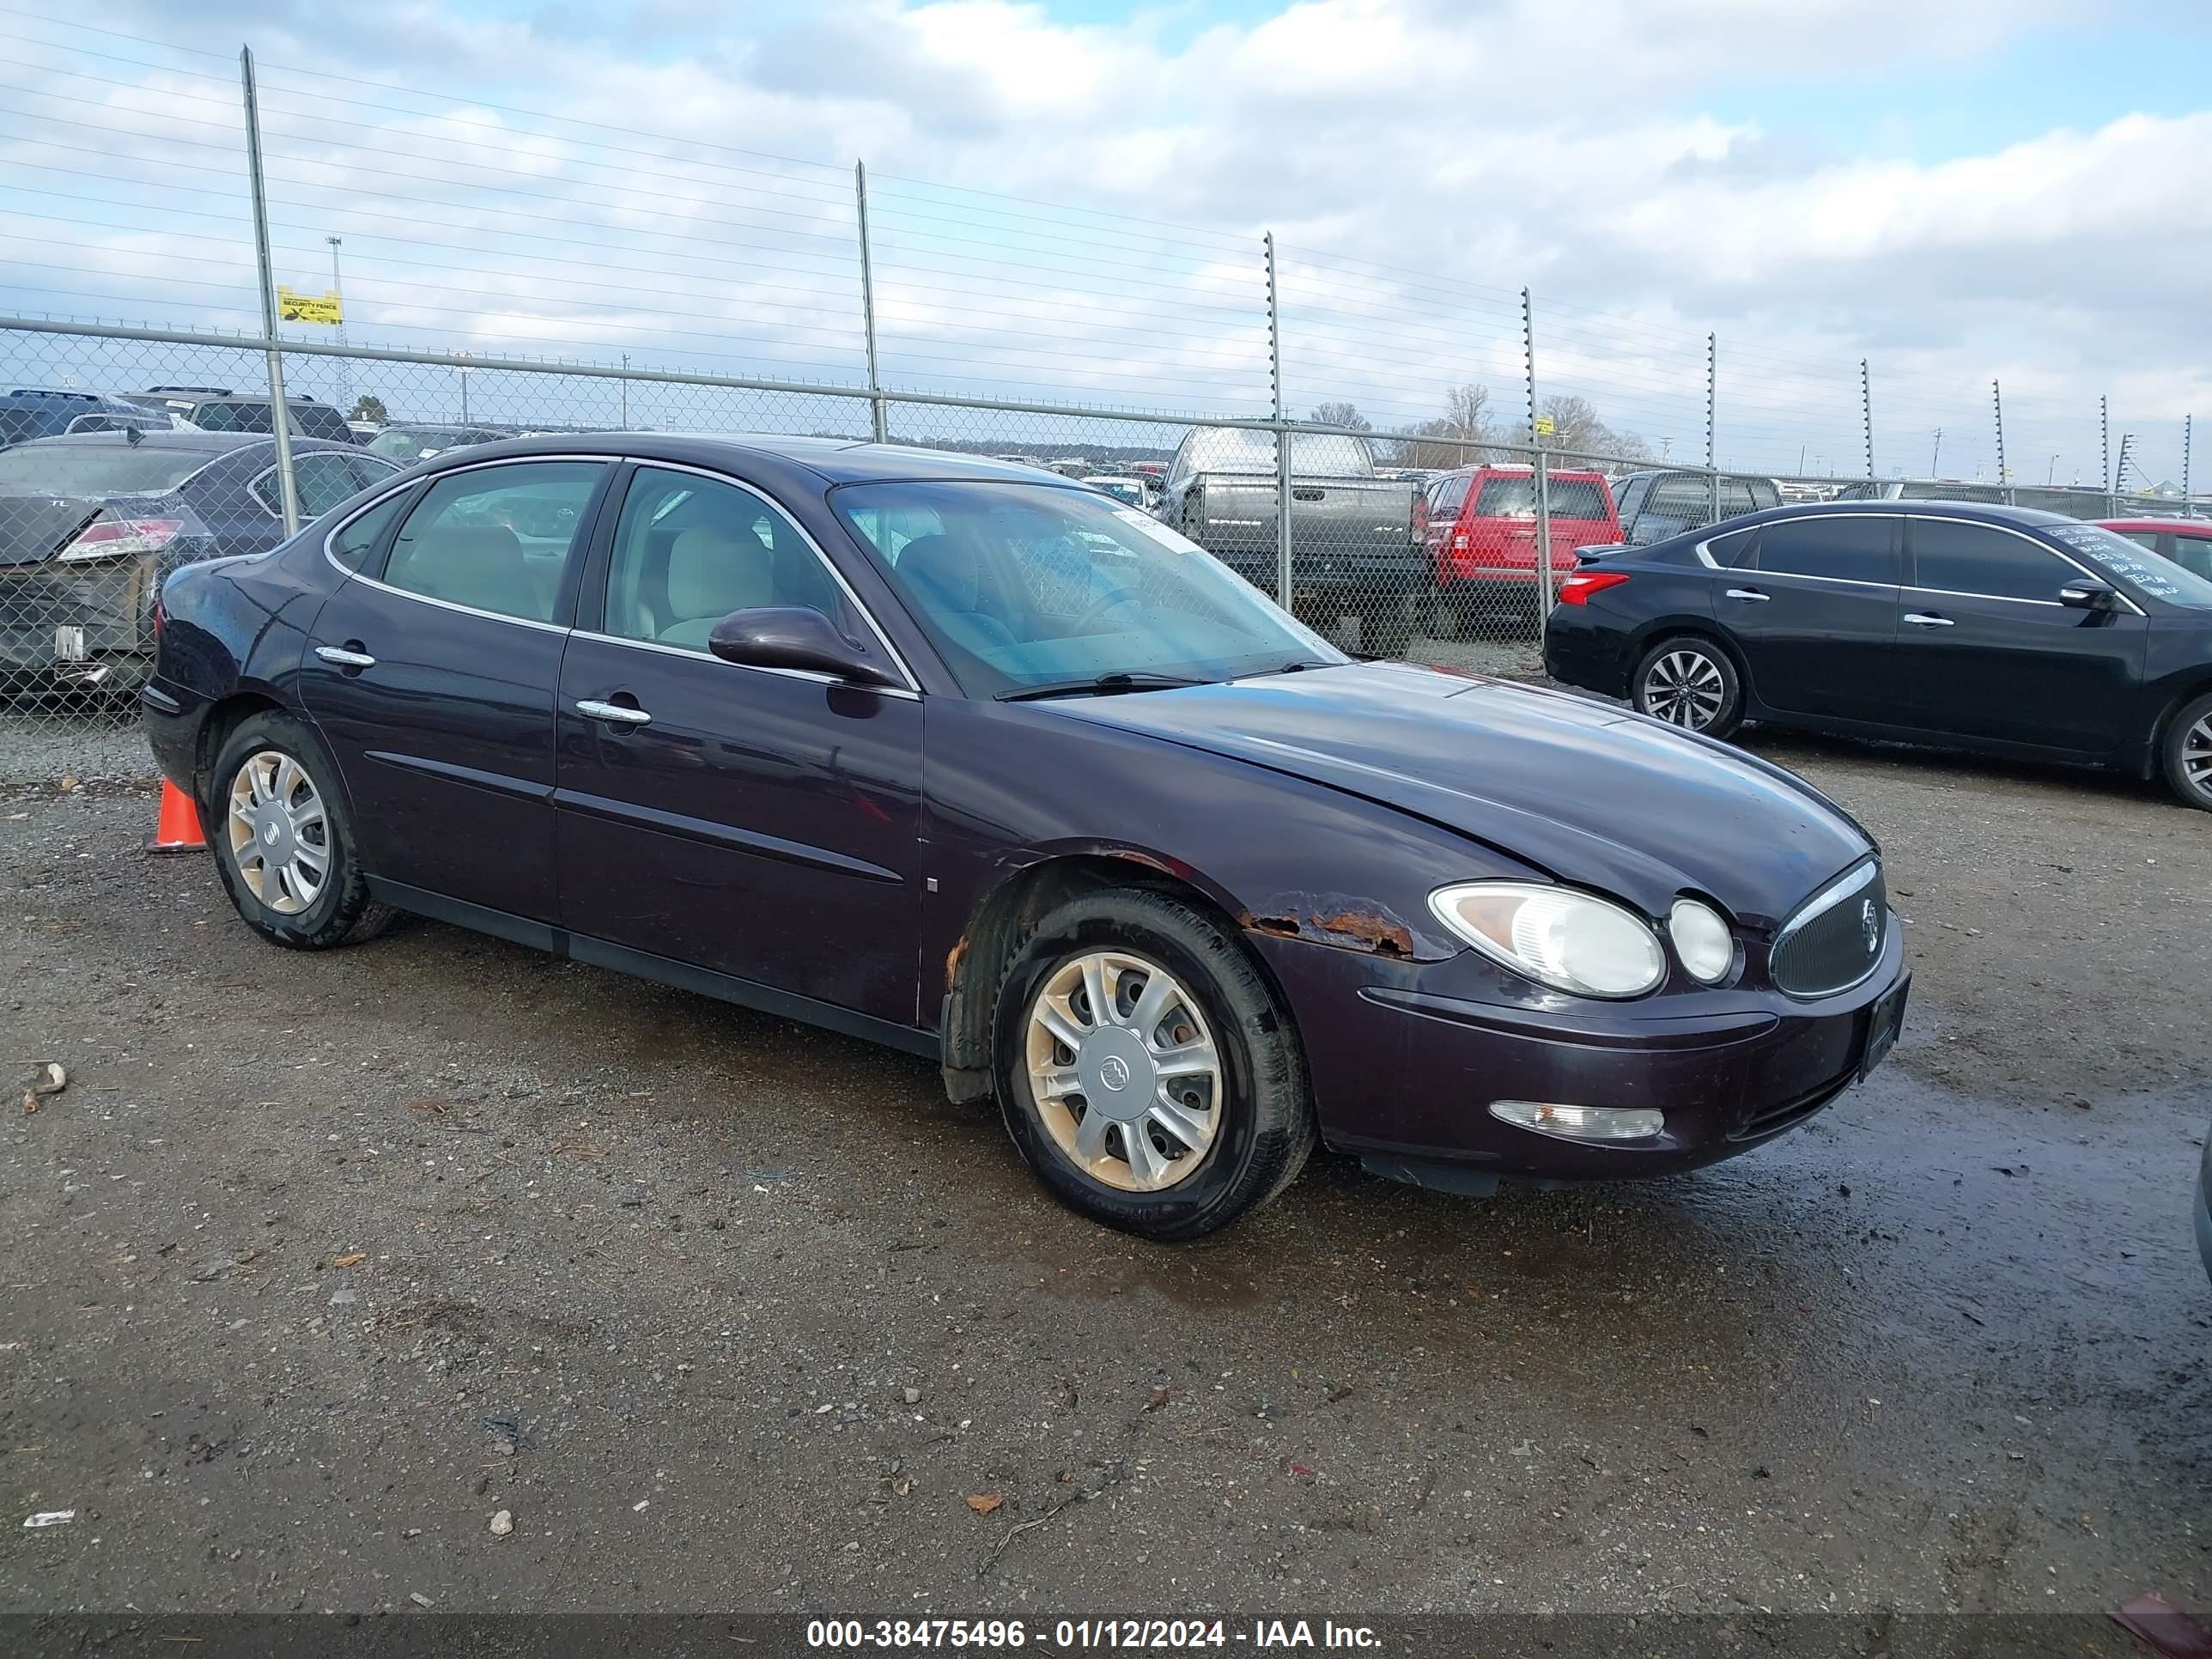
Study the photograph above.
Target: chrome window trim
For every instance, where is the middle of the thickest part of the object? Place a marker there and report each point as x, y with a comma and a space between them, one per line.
904, 693
2017, 535
1818, 906
1810, 518
448, 604
1796, 576
913, 685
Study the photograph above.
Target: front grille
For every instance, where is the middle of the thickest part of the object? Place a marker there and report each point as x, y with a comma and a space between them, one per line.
1836, 939
1775, 1119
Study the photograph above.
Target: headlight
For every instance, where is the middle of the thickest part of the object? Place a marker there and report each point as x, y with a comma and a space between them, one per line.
1702, 940
1566, 939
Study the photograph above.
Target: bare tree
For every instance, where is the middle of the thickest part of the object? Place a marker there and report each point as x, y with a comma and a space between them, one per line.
1466, 416
1577, 430
1341, 414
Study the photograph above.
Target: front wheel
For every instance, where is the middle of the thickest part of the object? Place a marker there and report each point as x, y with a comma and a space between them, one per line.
1145, 1068
2187, 753
283, 840
1691, 683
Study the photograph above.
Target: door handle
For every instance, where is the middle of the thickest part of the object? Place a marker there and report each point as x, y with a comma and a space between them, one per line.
1751, 593
345, 659
615, 712
1924, 619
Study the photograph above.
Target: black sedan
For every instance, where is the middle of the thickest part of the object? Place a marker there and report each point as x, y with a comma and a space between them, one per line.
981, 764
2000, 630
89, 524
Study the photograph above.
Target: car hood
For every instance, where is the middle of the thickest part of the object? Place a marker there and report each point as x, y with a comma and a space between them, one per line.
1588, 792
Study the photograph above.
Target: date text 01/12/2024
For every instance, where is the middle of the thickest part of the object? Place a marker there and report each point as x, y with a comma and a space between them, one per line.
1085, 1633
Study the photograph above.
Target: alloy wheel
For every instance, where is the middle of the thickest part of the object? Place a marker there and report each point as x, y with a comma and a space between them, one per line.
2197, 757
279, 832
1126, 1075
1685, 688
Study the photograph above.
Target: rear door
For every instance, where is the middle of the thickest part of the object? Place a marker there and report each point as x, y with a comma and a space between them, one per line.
1813, 605
432, 672
757, 823
1985, 650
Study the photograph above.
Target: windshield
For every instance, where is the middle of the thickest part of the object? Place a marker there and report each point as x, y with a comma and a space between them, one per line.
2156, 575
52, 468
1028, 584
1313, 454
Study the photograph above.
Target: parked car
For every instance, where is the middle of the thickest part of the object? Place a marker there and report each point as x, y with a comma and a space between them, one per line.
90, 523
29, 412
1479, 524
1653, 505
2066, 501
2187, 542
408, 443
218, 408
1129, 491
2001, 629
1353, 547
815, 701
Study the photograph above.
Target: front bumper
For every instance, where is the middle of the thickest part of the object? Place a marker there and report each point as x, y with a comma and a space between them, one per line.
1405, 1058
83, 624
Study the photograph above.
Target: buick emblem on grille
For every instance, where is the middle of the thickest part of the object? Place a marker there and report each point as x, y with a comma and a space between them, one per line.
1870, 925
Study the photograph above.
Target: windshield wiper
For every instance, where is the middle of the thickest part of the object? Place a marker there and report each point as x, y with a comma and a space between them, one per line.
1296, 665
1104, 685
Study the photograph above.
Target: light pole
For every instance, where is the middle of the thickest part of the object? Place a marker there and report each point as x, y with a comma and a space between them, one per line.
462, 369
345, 364
2051, 472
1938, 455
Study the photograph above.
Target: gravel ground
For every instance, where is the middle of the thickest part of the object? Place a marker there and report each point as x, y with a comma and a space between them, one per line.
318, 1265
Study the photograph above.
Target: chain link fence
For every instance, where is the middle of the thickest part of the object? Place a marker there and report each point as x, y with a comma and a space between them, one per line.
1431, 544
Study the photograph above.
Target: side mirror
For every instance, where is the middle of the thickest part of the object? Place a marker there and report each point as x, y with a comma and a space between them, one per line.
2087, 594
794, 636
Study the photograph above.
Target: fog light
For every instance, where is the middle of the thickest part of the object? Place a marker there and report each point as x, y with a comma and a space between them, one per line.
1580, 1122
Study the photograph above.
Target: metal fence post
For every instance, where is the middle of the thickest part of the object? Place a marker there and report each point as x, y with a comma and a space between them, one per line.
1284, 590
1713, 410
2105, 451
879, 424
2185, 462
1996, 404
280, 419
1866, 413
1543, 478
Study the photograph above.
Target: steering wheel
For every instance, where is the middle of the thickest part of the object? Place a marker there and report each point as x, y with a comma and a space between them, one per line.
1111, 599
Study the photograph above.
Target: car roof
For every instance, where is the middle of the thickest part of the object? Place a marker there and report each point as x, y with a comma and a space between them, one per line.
210, 444
1986, 512
2179, 526
202, 394
833, 460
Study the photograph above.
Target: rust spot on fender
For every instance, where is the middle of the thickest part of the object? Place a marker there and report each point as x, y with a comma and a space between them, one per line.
1334, 920
954, 958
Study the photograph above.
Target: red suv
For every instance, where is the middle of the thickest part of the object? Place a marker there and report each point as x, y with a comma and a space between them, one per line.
1478, 524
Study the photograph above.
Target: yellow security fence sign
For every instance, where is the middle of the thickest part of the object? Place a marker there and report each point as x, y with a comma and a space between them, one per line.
326, 307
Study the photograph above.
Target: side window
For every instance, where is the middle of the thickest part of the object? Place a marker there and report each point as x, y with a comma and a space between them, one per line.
1687, 499
497, 538
1736, 497
352, 545
1453, 496
217, 417
2194, 553
2142, 538
690, 550
1957, 557
369, 470
322, 481
1729, 550
1860, 548
1632, 497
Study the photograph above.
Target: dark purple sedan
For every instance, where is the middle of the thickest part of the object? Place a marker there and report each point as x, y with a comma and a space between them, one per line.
990, 768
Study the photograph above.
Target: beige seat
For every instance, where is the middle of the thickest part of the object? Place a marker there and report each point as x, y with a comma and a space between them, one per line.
714, 569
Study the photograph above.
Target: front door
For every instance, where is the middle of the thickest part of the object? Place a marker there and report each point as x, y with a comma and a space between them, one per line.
1813, 607
758, 824
1985, 650
432, 672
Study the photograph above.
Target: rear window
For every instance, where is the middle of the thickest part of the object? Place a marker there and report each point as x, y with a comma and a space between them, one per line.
318, 422
68, 469
1313, 454
17, 425
1516, 498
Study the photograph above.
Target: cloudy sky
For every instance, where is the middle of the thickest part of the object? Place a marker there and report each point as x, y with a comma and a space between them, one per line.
1067, 199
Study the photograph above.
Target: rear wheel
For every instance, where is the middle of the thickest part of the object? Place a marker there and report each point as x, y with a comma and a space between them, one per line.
1386, 626
283, 840
1145, 1068
2187, 753
1691, 683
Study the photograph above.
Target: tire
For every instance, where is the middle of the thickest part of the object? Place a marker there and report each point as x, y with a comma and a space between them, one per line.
1247, 1124
1690, 682
2185, 751
1386, 628
266, 750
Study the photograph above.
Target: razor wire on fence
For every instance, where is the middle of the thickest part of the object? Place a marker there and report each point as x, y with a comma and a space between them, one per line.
1407, 460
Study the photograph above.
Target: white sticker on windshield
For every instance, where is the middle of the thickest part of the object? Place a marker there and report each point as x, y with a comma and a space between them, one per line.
1174, 540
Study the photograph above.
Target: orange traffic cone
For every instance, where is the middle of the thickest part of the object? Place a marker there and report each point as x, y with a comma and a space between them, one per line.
178, 828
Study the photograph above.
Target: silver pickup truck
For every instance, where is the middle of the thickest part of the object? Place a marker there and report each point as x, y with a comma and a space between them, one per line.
1353, 547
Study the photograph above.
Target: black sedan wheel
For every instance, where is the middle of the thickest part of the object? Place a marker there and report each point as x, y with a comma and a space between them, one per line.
284, 841
2188, 753
1690, 683
1145, 1068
